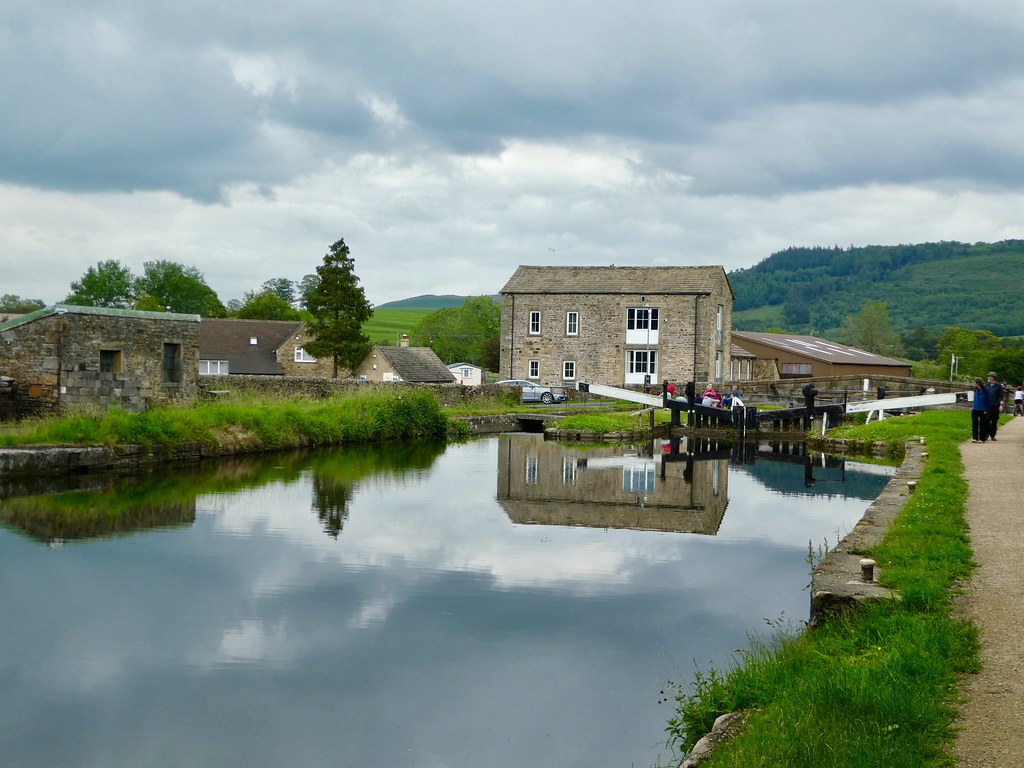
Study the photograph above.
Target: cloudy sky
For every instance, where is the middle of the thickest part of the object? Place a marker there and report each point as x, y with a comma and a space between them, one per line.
449, 142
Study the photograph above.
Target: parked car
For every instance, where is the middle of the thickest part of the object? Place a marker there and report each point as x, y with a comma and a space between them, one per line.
532, 392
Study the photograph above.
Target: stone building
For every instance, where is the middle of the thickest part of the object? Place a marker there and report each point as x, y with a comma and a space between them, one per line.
65, 356
616, 325
415, 365
258, 347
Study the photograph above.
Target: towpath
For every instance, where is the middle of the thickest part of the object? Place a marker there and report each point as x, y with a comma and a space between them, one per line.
992, 718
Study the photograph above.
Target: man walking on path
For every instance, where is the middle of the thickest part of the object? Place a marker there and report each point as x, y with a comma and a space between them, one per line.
995, 403
992, 718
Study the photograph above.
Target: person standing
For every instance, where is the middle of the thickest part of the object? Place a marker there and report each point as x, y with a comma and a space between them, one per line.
995, 403
979, 412
1018, 401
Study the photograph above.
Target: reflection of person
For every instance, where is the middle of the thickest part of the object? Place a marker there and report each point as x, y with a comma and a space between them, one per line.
979, 412
995, 403
1018, 401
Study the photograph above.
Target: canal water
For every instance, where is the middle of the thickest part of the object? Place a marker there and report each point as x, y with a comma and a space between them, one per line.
506, 602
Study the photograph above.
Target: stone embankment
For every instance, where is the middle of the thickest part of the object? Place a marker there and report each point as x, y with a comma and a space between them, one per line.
841, 579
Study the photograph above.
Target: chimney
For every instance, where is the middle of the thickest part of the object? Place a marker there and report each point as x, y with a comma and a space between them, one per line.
405, 340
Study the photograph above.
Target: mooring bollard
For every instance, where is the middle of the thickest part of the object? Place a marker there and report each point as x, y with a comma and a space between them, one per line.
922, 441
912, 485
867, 569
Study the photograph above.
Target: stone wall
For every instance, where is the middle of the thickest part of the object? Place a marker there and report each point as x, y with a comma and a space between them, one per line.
834, 387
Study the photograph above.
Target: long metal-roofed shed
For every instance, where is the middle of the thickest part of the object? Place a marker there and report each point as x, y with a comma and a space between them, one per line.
799, 356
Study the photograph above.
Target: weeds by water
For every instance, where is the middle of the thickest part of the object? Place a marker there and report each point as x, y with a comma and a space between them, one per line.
876, 686
260, 423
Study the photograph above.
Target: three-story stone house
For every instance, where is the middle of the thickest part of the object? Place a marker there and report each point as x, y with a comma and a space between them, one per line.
616, 325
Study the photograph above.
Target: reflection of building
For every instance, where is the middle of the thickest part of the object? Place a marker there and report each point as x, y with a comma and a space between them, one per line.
548, 483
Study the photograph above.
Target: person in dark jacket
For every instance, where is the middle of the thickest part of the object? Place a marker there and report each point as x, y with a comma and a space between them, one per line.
995, 403
979, 412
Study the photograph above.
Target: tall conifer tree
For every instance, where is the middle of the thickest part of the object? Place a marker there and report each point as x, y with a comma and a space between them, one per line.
339, 309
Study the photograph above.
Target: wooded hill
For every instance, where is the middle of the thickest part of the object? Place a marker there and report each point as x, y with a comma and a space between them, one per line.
930, 286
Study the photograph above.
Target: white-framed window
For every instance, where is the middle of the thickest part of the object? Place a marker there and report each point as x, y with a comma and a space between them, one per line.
718, 366
720, 325
531, 469
213, 367
253, 341
642, 318
572, 323
535, 322
642, 361
642, 325
638, 478
302, 356
534, 368
569, 369
568, 470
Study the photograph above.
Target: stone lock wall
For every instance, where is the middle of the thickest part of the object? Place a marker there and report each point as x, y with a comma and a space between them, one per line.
55, 362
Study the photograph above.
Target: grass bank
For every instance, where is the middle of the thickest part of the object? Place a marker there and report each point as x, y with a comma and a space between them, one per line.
255, 423
876, 687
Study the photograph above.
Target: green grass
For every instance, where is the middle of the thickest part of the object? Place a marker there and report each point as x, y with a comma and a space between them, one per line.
387, 325
619, 421
259, 422
876, 687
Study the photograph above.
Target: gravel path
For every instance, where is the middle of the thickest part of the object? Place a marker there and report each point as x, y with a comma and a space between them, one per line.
992, 719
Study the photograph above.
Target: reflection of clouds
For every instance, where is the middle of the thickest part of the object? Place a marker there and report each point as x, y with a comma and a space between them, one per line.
372, 612
440, 521
254, 641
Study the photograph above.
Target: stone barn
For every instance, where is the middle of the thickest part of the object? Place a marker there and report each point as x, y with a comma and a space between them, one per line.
67, 357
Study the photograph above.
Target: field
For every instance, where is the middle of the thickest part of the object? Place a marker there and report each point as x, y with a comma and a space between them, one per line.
387, 325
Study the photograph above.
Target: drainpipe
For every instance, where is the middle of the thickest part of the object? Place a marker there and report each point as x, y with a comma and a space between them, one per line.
512, 339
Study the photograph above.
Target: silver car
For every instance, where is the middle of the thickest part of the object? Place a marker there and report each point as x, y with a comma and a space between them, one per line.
532, 392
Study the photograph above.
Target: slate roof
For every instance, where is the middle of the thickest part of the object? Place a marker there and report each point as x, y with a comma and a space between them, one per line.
419, 365
73, 309
615, 280
229, 339
817, 349
737, 351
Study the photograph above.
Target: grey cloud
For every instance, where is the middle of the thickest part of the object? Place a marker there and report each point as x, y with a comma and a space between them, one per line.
113, 97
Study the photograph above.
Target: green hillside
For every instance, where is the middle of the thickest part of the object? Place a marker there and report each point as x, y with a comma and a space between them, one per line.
389, 323
426, 301
931, 286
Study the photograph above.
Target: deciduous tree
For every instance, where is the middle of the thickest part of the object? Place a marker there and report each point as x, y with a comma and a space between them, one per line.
463, 334
871, 330
108, 284
19, 306
178, 288
266, 306
339, 308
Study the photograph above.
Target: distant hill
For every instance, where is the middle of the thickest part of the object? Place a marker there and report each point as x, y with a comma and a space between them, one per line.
427, 301
930, 285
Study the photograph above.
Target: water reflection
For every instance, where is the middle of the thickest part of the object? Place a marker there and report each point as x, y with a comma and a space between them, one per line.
101, 504
382, 606
612, 486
